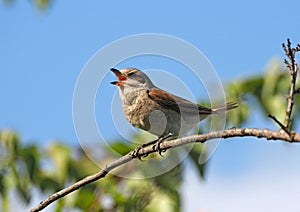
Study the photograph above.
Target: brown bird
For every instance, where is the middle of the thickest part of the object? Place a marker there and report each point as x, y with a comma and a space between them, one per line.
157, 111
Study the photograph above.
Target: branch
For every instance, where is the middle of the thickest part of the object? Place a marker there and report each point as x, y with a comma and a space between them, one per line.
293, 67
279, 123
233, 132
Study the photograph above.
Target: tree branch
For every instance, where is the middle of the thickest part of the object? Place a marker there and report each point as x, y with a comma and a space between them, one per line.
293, 67
233, 132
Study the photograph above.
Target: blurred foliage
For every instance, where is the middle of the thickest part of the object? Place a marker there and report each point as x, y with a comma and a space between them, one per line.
266, 92
40, 4
25, 168
28, 168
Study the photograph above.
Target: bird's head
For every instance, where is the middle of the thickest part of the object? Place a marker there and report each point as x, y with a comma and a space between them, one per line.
131, 78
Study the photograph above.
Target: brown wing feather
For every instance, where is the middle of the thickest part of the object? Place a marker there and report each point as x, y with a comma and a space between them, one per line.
176, 103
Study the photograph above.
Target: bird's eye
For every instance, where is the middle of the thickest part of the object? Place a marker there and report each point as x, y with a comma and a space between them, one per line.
130, 74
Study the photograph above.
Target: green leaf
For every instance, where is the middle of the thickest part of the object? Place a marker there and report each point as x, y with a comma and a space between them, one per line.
86, 199
119, 147
10, 143
60, 154
42, 4
30, 155
49, 183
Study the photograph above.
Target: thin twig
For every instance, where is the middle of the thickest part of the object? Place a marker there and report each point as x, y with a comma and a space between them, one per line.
293, 67
279, 123
233, 132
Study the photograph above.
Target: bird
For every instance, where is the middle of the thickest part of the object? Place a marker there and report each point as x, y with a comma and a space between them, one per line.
157, 111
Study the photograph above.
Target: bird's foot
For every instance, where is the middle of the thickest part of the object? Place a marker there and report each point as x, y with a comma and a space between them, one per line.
135, 153
160, 140
156, 147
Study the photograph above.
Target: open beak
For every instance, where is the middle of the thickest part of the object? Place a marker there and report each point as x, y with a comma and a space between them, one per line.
121, 77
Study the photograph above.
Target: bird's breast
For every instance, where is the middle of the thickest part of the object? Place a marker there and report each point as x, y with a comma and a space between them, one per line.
138, 109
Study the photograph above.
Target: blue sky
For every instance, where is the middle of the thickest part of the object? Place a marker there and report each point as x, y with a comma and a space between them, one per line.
42, 54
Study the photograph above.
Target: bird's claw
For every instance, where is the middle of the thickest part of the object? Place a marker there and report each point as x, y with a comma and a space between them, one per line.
135, 153
156, 147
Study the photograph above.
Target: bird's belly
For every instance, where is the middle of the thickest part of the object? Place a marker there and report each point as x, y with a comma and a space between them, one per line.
159, 121
147, 118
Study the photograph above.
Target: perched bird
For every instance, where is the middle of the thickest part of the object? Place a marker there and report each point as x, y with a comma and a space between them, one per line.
157, 111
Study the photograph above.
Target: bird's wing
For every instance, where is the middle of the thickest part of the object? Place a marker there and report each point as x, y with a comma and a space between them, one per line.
176, 103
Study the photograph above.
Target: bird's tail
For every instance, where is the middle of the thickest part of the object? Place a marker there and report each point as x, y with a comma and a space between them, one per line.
221, 109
